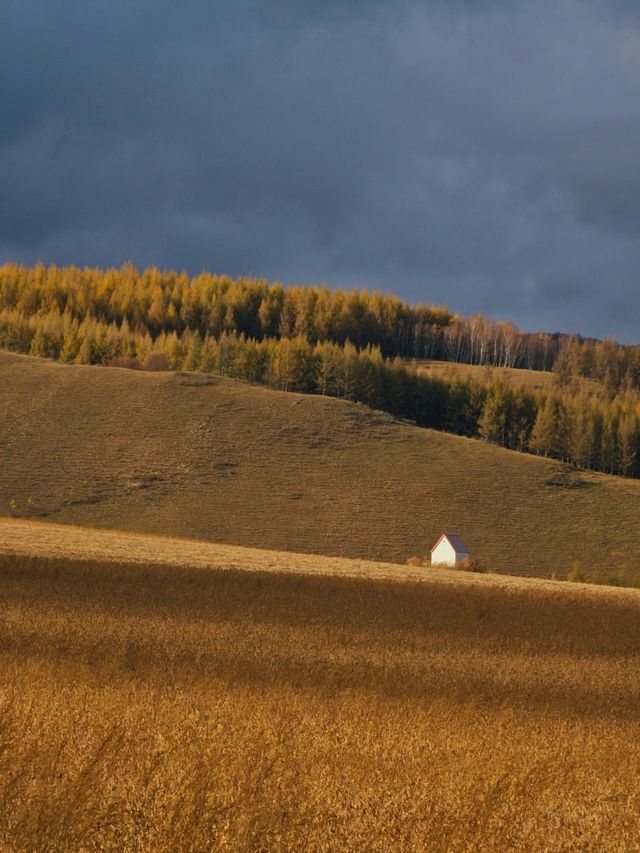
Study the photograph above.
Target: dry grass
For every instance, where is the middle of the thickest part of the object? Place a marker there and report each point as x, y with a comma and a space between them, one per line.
65, 542
150, 707
208, 458
533, 380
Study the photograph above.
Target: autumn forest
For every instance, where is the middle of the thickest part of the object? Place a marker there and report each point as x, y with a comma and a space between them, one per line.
353, 345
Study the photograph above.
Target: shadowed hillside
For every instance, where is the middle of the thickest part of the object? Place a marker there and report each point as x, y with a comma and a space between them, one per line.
210, 458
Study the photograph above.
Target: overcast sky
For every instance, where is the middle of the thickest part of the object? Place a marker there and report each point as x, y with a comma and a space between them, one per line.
485, 155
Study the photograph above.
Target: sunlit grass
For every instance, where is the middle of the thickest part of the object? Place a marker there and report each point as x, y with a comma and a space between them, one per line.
160, 707
207, 458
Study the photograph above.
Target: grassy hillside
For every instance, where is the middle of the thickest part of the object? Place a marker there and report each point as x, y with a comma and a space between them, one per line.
155, 707
70, 543
533, 380
40, 539
208, 458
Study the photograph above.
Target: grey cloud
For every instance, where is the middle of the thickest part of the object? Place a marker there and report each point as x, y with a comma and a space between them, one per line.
478, 154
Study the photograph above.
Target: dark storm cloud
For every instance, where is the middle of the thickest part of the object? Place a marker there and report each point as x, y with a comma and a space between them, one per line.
483, 155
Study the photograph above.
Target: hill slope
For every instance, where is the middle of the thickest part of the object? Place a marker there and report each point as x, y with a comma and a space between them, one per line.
73, 544
204, 457
170, 707
533, 380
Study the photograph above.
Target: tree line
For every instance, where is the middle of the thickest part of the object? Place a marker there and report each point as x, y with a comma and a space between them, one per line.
615, 365
592, 431
162, 302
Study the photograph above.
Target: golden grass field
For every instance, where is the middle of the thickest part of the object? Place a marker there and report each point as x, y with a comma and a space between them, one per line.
533, 380
210, 458
211, 705
66, 542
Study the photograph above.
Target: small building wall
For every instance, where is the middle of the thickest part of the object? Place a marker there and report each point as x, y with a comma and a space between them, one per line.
445, 554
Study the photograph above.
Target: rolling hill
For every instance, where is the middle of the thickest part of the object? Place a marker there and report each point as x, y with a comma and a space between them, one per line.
46, 541
210, 458
217, 698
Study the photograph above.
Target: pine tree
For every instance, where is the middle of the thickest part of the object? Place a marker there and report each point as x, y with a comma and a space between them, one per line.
70, 346
326, 368
629, 440
39, 346
581, 443
86, 350
610, 452
548, 436
523, 416
496, 413
192, 347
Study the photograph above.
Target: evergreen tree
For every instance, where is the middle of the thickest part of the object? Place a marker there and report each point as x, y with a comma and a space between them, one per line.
629, 442
523, 416
610, 451
496, 413
548, 436
582, 440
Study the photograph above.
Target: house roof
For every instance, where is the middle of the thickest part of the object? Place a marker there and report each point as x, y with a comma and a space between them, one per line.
455, 541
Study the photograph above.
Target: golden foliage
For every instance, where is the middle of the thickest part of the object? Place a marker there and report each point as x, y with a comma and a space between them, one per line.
151, 707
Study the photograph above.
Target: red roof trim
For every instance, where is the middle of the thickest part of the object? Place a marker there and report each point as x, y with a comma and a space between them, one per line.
448, 536
440, 538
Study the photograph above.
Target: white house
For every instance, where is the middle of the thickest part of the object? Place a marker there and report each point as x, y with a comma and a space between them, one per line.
449, 550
